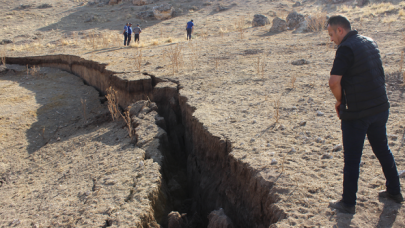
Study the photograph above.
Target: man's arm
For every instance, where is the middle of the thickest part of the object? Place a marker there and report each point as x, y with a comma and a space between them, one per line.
336, 88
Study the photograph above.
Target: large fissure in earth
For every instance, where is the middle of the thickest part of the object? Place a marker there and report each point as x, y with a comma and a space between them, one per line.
200, 174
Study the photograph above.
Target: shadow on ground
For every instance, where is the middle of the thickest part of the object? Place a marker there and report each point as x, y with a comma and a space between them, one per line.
66, 105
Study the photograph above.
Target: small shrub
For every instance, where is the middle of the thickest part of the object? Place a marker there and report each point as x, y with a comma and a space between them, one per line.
317, 22
176, 57
113, 103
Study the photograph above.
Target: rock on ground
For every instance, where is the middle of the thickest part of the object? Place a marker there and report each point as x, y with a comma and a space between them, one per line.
145, 15
302, 27
296, 4
113, 2
175, 220
218, 219
279, 25
299, 62
362, 2
5, 41
294, 19
219, 7
260, 20
163, 12
142, 2
44, 6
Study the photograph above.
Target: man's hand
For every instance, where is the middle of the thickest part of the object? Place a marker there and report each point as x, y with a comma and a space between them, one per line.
336, 88
337, 107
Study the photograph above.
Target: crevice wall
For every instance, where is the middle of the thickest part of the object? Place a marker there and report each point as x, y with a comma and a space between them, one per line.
216, 178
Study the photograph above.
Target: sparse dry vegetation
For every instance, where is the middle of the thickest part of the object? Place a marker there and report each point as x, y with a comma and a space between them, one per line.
240, 26
293, 79
138, 59
317, 22
261, 65
174, 53
3, 56
128, 121
219, 72
113, 103
277, 110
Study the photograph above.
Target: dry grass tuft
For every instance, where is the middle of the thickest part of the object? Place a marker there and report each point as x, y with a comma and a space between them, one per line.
277, 110
155, 42
240, 25
34, 70
317, 22
64, 42
261, 64
3, 56
293, 79
382, 8
176, 57
113, 103
401, 13
138, 59
128, 121
115, 112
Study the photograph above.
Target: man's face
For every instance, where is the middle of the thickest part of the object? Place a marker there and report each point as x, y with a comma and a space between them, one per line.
334, 33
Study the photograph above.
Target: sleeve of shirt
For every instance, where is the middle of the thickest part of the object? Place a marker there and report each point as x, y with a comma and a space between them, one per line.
343, 61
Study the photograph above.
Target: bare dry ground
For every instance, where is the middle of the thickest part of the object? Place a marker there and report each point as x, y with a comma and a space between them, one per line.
278, 116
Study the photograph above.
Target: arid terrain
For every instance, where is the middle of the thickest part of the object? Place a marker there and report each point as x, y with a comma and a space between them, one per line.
260, 97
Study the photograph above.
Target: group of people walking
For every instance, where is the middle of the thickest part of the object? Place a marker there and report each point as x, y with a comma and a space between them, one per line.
128, 30
128, 33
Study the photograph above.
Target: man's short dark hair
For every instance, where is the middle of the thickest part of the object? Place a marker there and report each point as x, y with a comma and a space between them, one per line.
191, 20
340, 21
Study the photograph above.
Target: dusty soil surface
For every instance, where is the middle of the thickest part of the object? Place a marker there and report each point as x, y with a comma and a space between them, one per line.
64, 162
290, 142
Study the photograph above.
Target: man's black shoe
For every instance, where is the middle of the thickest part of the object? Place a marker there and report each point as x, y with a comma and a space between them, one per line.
342, 207
397, 198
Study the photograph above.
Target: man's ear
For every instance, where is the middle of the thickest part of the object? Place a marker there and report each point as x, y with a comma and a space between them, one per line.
339, 30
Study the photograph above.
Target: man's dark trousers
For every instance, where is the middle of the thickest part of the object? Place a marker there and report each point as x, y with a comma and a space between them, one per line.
354, 132
125, 38
188, 33
137, 37
129, 39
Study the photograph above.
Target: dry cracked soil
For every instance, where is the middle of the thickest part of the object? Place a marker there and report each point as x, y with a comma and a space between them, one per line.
65, 163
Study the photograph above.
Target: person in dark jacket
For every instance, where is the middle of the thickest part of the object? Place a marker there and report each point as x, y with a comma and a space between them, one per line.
189, 29
357, 81
129, 32
125, 33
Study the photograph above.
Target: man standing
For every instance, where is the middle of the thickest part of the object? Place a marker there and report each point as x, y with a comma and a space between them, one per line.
137, 31
125, 33
129, 33
357, 81
189, 28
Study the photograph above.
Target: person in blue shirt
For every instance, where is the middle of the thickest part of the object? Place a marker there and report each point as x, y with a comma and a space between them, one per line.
125, 33
189, 28
129, 31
